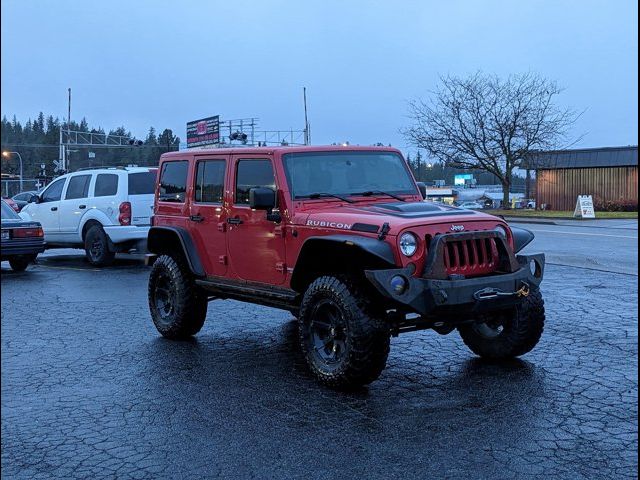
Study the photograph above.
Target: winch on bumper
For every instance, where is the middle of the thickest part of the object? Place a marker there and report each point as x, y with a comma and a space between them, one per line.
438, 291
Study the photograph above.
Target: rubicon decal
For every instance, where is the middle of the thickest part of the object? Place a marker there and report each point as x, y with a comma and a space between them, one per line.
322, 223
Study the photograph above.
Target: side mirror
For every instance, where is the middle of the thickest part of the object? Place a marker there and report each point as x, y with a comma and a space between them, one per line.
34, 199
261, 198
423, 189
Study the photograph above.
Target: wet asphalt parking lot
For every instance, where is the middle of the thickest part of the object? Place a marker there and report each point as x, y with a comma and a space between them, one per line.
90, 390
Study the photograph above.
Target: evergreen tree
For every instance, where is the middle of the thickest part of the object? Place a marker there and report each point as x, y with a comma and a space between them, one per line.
152, 138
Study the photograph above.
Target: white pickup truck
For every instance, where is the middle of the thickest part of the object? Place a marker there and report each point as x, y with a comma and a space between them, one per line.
103, 210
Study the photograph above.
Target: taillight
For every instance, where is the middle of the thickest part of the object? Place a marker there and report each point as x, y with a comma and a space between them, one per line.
125, 213
28, 232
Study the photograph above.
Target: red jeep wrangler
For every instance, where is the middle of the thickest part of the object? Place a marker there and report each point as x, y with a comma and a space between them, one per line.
342, 238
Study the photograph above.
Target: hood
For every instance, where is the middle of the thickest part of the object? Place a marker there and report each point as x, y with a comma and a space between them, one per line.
399, 216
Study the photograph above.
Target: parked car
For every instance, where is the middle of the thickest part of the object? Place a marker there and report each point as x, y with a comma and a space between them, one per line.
103, 210
341, 238
471, 206
23, 198
14, 206
22, 240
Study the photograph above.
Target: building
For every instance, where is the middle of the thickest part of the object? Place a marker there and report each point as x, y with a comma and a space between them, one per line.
607, 174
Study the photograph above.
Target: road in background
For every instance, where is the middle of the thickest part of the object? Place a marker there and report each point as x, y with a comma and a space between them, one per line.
607, 245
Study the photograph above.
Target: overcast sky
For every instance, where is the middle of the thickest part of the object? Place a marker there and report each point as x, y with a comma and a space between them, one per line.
151, 62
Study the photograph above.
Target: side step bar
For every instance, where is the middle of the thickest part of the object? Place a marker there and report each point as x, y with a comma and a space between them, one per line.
281, 298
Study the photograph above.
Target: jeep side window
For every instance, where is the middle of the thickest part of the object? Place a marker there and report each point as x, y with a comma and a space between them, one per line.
251, 174
54, 191
173, 181
106, 185
78, 187
210, 181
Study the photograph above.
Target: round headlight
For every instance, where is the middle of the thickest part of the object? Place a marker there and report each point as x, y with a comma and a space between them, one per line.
503, 231
408, 244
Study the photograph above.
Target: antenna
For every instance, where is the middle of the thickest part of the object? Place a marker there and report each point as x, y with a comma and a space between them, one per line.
307, 135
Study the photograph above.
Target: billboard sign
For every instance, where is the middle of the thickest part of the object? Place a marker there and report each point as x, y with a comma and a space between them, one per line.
205, 131
462, 179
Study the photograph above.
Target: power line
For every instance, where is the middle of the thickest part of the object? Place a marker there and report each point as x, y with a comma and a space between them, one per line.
44, 145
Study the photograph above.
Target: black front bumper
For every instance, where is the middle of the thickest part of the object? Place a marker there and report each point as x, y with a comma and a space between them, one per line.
471, 295
437, 292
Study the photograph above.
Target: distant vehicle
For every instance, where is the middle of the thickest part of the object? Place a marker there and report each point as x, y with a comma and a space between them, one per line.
22, 198
103, 210
11, 203
531, 204
22, 240
471, 206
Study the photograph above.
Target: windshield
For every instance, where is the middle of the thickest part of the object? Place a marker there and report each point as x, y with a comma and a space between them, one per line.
7, 212
347, 173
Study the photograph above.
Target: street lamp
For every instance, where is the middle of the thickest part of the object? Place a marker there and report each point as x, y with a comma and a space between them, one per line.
6, 154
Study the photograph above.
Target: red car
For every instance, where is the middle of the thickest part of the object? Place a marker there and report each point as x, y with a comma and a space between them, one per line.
341, 238
11, 203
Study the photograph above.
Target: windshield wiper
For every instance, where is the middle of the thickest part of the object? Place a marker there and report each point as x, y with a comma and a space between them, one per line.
378, 192
324, 195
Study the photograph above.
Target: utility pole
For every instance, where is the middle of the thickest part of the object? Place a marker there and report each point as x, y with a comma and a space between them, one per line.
64, 158
307, 135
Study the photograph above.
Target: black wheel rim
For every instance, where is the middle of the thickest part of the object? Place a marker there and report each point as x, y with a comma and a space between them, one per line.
327, 334
96, 250
164, 298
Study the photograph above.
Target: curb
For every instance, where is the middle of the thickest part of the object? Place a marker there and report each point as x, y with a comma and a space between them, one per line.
529, 220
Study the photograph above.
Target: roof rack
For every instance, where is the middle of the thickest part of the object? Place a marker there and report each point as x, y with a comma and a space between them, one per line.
112, 167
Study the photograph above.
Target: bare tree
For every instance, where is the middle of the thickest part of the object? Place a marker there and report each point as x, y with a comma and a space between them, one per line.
483, 122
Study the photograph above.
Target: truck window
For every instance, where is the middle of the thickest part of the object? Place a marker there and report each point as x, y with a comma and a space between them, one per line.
210, 181
142, 183
252, 174
173, 181
106, 185
78, 187
53, 191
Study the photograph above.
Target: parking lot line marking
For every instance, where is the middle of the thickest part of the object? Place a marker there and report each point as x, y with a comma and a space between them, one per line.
582, 233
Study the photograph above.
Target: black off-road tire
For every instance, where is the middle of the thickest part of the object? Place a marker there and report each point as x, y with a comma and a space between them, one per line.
178, 306
366, 334
521, 330
96, 247
21, 262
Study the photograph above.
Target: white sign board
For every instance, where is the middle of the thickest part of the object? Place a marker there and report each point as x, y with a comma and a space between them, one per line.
584, 207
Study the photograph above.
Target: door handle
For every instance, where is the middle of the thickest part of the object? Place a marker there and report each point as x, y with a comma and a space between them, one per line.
234, 221
53, 209
196, 218
82, 206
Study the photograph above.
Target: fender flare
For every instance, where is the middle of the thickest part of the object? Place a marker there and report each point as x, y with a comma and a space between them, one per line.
379, 249
186, 244
521, 238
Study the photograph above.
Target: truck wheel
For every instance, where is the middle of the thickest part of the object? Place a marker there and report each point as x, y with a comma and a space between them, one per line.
178, 306
507, 334
344, 340
21, 262
96, 247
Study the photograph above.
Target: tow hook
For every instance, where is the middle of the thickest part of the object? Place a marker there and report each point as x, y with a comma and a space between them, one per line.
491, 293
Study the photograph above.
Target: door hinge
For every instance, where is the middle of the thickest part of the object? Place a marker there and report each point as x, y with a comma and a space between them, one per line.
281, 267
222, 227
222, 259
279, 231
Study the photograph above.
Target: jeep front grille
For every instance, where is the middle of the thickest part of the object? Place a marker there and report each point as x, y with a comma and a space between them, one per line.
471, 257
